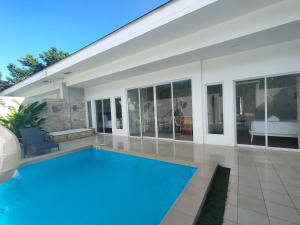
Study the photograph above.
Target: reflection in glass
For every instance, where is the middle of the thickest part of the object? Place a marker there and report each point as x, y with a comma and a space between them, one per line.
250, 112
183, 115
107, 116
215, 109
119, 120
89, 114
99, 116
134, 112
164, 111
283, 111
147, 112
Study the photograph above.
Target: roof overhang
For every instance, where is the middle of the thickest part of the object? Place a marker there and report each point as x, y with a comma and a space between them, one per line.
179, 32
157, 18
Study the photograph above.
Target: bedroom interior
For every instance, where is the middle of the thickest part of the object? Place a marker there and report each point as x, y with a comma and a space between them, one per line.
267, 111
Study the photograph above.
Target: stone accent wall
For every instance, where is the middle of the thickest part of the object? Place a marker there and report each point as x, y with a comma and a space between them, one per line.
64, 115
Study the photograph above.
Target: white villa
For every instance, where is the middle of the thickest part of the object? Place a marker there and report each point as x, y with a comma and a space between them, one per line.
221, 72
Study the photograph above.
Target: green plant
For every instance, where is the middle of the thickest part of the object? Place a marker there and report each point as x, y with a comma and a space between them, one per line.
26, 116
212, 212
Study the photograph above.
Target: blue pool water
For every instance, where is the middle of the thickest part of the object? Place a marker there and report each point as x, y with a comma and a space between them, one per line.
92, 187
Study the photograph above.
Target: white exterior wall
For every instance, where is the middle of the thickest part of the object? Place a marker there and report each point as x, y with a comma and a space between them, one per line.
280, 59
277, 59
119, 88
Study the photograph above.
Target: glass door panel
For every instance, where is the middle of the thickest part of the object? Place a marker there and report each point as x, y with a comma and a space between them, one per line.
119, 117
107, 116
147, 112
283, 111
250, 112
134, 112
215, 109
89, 114
183, 110
164, 111
99, 116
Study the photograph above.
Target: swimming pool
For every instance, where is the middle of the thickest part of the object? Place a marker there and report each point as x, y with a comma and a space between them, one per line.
92, 187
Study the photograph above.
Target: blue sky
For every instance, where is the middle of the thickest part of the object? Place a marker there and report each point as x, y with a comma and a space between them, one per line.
31, 26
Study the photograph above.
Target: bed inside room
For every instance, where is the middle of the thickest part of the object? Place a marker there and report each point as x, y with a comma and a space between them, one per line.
267, 111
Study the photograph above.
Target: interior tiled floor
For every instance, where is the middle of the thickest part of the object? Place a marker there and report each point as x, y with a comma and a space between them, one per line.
264, 185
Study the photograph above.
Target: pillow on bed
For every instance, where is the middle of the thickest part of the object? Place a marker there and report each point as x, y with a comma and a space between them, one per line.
273, 119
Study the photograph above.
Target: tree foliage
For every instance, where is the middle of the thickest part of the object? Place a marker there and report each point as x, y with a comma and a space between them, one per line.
3, 83
52, 56
31, 64
26, 116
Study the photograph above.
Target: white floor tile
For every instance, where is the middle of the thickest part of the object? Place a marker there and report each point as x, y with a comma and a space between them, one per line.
252, 204
275, 221
248, 217
283, 199
284, 213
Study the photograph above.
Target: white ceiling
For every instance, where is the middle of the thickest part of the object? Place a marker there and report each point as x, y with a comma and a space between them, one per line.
286, 32
207, 16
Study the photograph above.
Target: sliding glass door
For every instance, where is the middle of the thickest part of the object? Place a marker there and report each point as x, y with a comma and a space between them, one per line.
99, 115
147, 112
107, 116
183, 115
103, 114
163, 111
119, 116
267, 111
283, 111
250, 112
89, 114
134, 112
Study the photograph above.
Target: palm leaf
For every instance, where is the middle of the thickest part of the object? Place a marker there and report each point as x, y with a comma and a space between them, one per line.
26, 116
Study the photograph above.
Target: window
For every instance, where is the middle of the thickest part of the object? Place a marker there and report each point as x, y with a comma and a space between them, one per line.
119, 120
89, 114
215, 109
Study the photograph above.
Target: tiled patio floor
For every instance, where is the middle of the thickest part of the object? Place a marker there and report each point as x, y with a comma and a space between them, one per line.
264, 185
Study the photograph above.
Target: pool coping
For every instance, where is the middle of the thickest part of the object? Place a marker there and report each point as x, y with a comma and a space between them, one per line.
186, 208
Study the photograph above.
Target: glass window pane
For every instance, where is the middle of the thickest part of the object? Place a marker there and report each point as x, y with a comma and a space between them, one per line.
134, 112
89, 114
119, 120
250, 112
107, 116
99, 115
215, 109
183, 110
147, 112
164, 111
283, 111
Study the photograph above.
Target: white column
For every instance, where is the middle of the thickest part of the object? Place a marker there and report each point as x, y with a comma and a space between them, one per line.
198, 104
